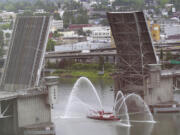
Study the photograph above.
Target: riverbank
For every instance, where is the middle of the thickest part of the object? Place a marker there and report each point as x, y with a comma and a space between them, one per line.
93, 71
93, 75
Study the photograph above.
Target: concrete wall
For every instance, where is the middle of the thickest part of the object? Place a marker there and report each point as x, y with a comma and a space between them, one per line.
33, 110
163, 93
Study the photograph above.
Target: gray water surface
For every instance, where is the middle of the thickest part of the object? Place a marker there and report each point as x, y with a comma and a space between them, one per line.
166, 124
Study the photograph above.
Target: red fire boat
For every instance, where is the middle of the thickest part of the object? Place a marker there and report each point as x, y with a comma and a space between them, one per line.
101, 115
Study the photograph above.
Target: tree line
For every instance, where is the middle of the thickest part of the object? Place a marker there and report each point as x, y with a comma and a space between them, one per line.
15, 6
140, 3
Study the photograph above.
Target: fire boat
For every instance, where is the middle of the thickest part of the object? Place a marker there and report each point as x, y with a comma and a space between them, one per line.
101, 115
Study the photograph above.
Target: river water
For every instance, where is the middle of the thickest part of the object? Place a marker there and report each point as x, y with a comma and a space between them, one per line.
166, 124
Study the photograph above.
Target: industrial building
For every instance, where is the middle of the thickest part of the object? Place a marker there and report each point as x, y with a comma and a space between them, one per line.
24, 102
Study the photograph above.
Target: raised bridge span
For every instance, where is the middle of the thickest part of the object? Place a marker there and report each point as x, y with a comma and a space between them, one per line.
24, 101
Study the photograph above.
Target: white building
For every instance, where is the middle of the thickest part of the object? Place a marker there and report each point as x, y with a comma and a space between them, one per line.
56, 25
164, 12
80, 46
7, 35
61, 12
101, 36
94, 28
99, 33
172, 29
77, 0
7, 38
7, 16
40, 11
111, 1
67, 34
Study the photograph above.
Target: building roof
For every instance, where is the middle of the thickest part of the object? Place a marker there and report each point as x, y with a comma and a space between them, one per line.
174, 37
177, 14
78, 26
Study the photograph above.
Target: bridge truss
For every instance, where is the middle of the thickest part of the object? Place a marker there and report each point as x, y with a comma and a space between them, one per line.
134, 48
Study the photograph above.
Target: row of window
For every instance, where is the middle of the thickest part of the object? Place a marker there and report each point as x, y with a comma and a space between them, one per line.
107, 34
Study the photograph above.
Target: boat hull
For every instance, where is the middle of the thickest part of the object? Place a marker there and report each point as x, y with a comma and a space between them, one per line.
104, 116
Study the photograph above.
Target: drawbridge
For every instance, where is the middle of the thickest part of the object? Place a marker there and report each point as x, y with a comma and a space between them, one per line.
23, 102
26, 53
134, 49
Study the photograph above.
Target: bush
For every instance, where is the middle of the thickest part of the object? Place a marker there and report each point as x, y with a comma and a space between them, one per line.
66, 64
84, 66
108, 67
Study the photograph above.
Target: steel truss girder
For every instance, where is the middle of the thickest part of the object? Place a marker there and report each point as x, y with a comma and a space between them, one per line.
134, 46
3, 111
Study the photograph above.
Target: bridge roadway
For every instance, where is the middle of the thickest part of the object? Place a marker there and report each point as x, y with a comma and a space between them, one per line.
166, 44
79, 54
169, 48
101, 52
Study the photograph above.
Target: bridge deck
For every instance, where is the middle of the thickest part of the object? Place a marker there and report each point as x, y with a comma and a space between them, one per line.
5, 95
26, 53
80, 55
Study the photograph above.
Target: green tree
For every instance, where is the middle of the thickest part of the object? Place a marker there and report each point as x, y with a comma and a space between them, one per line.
72, 5
161, 54
39, 4
50, 7
11, 25
163, 2
82, 19
101, 63
82, 16
169, 57
27, 13
5, 26
1, 20
137, 4
23, 5
7, 35
74, 14
9, 6
88, 32
67, 18
81, 32
50, 45
56, 34
56, 16
177, 4
104, 22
